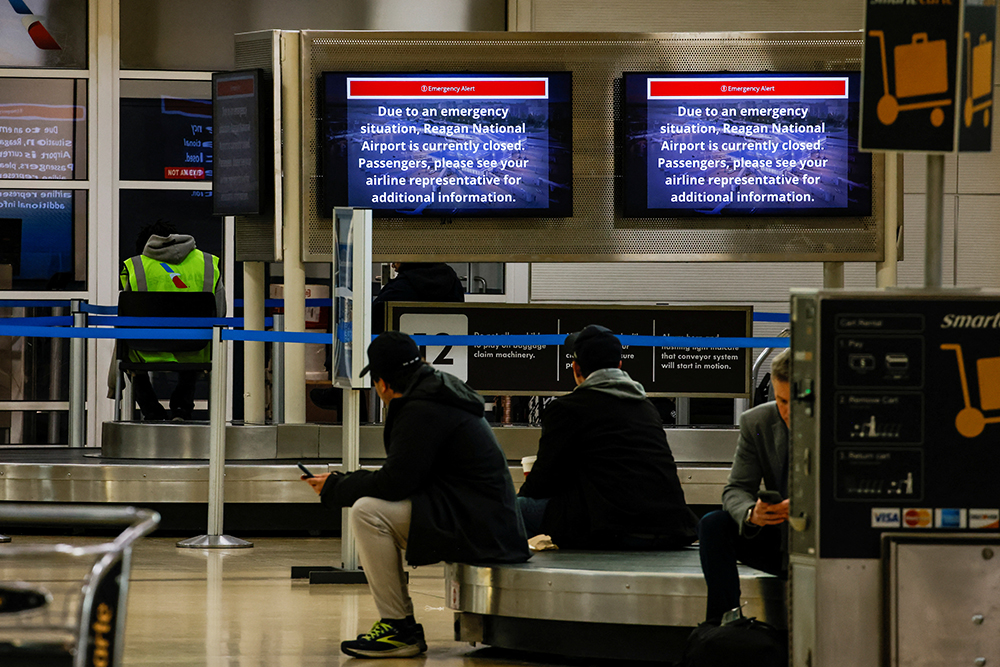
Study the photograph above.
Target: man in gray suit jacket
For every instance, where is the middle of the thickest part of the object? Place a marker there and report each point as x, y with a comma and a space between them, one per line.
749, 529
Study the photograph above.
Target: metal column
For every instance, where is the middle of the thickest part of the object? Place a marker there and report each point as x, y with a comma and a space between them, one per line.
254, 386
886, 270
278, 374
294, 268
934, 233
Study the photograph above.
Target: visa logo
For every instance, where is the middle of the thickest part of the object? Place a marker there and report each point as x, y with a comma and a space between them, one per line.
886, 517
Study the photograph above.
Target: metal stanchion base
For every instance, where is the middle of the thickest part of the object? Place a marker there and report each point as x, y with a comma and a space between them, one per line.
4, 539
338, 576
214, 542
302, 571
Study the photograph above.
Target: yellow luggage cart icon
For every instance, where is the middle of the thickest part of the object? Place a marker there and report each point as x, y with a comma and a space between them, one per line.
971, 421
920, 69
980, 79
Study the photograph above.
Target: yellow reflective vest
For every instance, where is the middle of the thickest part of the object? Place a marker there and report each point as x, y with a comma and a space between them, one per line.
198, 272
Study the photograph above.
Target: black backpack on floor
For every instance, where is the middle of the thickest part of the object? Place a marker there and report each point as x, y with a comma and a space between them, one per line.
745, 641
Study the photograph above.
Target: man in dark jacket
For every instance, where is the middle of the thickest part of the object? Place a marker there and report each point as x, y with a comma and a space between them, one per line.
443, 494
605, 477
751, 529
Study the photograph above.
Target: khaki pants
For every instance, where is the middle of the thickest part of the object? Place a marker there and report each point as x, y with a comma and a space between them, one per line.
381, 528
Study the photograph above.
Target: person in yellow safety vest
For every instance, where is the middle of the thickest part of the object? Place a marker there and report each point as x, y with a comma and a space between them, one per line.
169, 262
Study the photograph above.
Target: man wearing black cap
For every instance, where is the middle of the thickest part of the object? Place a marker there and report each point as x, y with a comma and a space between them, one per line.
605, 477
443, 494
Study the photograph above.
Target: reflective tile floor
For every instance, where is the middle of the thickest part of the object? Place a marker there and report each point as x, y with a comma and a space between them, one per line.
240, 607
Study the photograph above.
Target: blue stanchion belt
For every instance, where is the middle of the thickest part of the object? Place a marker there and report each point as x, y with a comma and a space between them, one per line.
200, 329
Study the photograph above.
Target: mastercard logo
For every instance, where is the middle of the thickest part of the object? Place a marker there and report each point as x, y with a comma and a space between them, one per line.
917, 518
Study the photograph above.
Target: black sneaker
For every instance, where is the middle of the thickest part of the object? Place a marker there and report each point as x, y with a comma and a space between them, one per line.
386, 640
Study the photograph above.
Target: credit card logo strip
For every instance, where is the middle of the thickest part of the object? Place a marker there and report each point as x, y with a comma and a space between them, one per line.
984, 519
886, 517
918, 517
950, 517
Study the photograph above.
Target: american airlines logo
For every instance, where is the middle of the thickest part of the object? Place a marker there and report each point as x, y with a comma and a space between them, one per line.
952, 321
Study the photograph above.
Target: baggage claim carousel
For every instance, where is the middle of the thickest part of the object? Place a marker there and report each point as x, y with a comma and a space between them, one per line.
595, 604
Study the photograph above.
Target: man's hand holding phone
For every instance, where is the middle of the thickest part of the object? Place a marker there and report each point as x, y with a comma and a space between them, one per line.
317, 482
770, 509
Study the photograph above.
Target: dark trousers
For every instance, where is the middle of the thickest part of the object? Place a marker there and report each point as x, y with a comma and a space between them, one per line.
721, 546
181, 400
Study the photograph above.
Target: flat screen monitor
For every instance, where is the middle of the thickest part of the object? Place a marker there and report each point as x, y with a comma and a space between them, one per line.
448, 145
242, 173
744, 144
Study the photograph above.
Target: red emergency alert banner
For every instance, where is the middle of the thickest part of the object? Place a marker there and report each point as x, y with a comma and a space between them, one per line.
393, 88
764, 88
242, 87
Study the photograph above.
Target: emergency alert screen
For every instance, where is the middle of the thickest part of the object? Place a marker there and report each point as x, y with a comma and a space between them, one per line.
744, 144
449, 144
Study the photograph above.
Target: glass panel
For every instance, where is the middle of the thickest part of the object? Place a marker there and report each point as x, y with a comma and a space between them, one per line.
480, 277
35, 370
198, 35
166, 130
43, 33
43, 128
190, 212
34, 427
43, 239
487, 278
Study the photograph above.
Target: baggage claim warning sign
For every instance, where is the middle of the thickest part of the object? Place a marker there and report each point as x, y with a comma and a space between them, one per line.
748, 142
453, 143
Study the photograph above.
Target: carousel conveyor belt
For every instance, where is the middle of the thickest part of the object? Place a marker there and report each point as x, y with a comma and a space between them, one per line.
168, 462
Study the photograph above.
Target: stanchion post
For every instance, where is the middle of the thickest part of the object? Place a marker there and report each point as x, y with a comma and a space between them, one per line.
217, 455
351, 423
77, 377
278, 374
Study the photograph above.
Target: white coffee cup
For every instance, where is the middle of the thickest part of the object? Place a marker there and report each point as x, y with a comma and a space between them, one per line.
527, 462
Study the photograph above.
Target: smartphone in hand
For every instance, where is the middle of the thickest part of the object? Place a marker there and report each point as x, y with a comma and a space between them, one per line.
305, 470
769, 497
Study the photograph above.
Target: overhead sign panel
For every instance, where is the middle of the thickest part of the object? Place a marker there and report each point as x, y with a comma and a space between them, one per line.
514, 368
927, 75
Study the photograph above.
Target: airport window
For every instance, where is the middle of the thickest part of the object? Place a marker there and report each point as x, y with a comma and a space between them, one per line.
166, 131
189, 211
43, 128
43, 239
50, 34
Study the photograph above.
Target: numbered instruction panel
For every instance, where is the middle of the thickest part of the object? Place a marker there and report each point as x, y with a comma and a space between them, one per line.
545, 369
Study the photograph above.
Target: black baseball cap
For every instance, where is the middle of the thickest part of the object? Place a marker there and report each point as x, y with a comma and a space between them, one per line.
595, 346
390, 352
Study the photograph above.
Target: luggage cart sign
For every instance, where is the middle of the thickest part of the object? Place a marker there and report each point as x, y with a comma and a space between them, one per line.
927, 75
910, 410
976, 80
546, 370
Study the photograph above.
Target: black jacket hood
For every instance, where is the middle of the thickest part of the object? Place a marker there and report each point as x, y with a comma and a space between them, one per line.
432, 282
432, 385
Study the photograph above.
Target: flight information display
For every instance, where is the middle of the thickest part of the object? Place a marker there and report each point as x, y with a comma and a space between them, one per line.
448, 144
43, 128
744, 144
